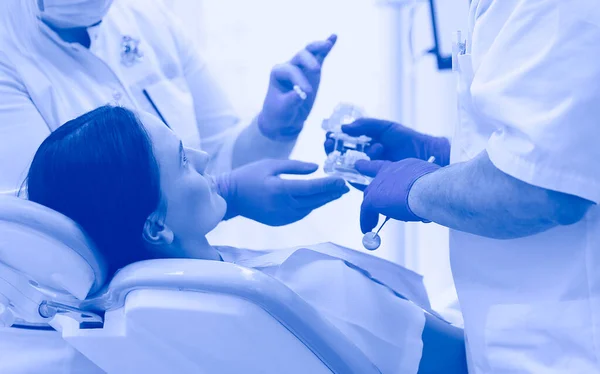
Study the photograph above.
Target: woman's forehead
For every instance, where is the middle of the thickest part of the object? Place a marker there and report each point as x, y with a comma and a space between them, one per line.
161, 136
165, 143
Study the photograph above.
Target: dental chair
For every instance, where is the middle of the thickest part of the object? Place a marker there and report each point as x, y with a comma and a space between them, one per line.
159, 316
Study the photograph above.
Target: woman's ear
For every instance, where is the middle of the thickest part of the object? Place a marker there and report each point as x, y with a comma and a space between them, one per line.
156, 232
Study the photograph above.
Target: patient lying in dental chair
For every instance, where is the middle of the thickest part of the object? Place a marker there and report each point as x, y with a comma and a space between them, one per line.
140, 194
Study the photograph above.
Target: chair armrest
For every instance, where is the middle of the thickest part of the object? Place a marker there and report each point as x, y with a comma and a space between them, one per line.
332, 347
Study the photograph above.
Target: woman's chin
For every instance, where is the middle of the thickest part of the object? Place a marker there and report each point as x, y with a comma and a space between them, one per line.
220, 207
218, 212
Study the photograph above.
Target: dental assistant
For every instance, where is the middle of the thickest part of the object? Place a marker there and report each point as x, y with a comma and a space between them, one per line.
518, 186
62, 58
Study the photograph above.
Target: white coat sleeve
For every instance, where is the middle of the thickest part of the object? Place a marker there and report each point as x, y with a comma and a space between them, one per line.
219, 126
218, 123
538, 85
22, 129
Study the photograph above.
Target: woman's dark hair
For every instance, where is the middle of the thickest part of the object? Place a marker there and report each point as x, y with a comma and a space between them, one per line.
100, 171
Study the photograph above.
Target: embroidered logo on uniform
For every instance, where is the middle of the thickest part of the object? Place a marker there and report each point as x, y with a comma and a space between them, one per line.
130, 51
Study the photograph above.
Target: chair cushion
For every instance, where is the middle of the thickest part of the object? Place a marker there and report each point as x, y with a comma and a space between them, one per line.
49, 247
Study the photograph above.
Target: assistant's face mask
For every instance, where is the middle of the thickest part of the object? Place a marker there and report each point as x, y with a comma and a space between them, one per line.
67, 14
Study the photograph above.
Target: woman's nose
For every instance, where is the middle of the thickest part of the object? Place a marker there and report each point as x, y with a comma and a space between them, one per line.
199, 159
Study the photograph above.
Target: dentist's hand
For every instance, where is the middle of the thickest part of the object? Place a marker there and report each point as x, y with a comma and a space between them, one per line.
394, 142
284, 111
257, 192
387, 193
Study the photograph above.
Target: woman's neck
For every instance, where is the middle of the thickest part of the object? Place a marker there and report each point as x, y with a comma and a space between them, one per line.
197, 248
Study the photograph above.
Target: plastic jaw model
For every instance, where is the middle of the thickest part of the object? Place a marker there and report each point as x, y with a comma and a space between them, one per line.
347, 149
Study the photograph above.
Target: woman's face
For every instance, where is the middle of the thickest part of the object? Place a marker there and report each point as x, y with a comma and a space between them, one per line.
193, 206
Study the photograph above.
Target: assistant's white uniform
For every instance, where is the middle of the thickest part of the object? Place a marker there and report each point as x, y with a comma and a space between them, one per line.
529, 94
49, 82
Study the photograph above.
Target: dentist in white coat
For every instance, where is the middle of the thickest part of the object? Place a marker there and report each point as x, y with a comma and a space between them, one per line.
518, 185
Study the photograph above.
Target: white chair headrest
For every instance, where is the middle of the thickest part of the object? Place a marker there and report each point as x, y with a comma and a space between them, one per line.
49, 248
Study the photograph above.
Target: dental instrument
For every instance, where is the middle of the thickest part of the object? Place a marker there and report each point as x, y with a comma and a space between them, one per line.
372, 240
300, 93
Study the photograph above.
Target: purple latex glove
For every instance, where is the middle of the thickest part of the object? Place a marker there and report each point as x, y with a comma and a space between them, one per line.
394, 142
388, 192
284, 111
257, 191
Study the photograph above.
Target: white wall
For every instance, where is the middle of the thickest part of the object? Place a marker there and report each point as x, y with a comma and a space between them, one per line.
242, 40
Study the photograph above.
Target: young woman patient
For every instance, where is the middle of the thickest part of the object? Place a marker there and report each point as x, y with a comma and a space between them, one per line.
139, 193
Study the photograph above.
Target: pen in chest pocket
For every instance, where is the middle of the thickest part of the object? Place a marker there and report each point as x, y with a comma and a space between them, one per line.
149, 98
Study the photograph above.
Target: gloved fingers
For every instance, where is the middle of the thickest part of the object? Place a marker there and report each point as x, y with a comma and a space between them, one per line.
307, 62
375, 151
320, 49
370, 168
317, 201
287, 76
360, 187
291, 100
296, 216
368, 216
300, 214
370, 127
329, 144
292, 167
310, 187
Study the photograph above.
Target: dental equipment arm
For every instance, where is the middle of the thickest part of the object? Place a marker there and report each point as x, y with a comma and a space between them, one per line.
478, 198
